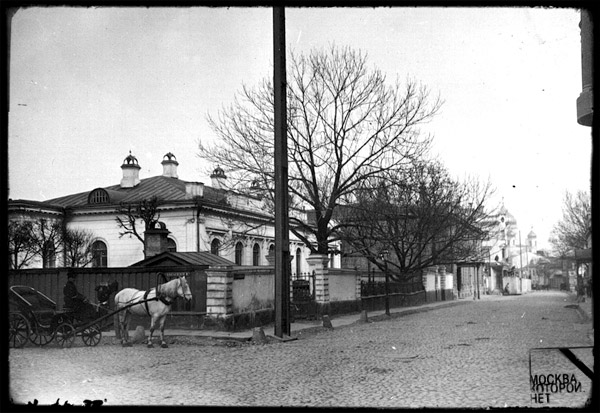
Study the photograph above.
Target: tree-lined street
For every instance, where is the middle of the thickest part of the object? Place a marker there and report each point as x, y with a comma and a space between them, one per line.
470, 355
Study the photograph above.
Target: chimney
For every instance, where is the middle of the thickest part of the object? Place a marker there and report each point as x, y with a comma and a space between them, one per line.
131, 172
155, 239
194, 189
169, 164
218, 178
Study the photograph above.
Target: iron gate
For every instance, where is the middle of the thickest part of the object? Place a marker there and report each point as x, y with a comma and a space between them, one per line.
303, 302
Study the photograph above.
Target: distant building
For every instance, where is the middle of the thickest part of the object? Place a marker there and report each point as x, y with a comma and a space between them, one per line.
498, 250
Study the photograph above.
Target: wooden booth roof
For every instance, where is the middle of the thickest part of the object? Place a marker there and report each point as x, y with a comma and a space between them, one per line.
196, 258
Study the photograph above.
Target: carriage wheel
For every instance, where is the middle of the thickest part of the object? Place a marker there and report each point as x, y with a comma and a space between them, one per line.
40, 336
18, 330
65, 335
91, 336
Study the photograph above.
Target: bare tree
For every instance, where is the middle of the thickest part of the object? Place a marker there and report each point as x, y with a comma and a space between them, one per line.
46, 236
403, 223
21, 246
145, 210
77, 245
572, 231
346, 124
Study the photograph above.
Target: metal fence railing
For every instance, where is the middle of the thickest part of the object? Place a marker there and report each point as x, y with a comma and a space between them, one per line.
303, 286
373, 283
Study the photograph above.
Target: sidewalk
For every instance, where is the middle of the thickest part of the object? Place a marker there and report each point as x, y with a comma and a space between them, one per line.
585, 307
300, 325
586, 313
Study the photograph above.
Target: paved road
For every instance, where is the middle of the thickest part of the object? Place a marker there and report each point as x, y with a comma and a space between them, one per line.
472, 355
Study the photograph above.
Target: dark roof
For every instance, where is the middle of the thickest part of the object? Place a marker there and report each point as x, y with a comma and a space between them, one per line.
199, 258
166, 188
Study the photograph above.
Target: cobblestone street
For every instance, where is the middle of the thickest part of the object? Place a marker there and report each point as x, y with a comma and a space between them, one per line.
470, 355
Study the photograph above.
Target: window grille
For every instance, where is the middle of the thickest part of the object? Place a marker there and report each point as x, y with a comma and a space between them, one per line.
98, 196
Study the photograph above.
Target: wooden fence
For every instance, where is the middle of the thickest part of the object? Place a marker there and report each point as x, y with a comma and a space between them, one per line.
51, 281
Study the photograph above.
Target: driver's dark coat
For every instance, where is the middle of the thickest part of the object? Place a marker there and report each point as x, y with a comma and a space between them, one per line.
72, 296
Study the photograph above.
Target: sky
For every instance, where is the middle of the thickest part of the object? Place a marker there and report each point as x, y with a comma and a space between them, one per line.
89, 85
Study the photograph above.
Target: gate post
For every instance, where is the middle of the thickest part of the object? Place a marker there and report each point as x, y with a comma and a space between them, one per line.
442, 273
358, 278
318, 264
219, 291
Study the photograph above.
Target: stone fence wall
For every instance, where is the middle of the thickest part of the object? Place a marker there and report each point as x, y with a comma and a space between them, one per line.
241, 298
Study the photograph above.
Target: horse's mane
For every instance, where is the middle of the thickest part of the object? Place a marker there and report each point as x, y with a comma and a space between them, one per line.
169, 289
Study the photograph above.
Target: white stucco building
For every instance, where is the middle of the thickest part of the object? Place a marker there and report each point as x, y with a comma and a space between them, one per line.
198, 217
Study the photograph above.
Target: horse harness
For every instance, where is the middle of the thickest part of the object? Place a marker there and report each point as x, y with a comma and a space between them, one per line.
157, 298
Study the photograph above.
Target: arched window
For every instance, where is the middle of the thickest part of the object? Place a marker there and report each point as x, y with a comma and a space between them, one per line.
215, 246
298, 265
171, 246
98, 196
272, 250
99, 254
239, 248
49, 255
256, 255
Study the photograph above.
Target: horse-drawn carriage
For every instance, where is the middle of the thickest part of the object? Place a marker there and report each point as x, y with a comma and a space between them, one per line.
35, 317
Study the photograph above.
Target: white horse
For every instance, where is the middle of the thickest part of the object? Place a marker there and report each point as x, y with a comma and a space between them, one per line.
151, 304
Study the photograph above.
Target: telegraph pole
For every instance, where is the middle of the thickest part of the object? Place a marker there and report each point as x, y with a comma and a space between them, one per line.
282, 235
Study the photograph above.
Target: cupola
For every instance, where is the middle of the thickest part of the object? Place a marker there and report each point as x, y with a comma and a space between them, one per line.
131, 172
218, 178
169, 164
531, 241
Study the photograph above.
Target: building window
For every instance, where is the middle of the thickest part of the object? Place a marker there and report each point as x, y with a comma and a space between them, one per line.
272, 250
49, 255
238, 253
215, 246
98, 196
171, 246
298, 257
99, 254
256, 255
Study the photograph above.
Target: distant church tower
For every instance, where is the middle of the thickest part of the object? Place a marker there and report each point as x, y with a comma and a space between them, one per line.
531, 241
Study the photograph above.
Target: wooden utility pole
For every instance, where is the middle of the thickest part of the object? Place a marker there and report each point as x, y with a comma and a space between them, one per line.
282, 236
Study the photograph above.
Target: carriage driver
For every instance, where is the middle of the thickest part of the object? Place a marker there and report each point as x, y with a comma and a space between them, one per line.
78, 302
